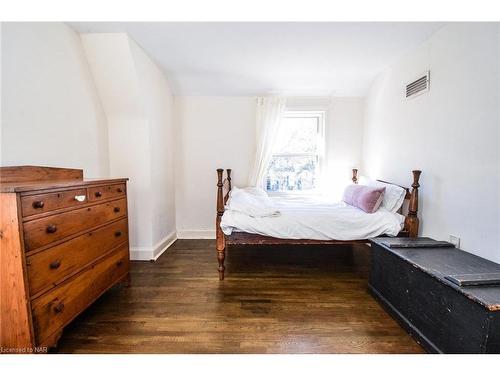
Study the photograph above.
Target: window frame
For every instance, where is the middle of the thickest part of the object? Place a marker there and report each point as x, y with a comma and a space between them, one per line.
319, 154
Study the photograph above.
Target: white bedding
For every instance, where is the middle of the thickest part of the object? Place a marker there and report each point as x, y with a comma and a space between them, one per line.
253, 202
309, 218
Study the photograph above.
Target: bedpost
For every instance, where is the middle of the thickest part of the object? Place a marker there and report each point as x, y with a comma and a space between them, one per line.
355, 175
412, 221
219, 235
228, 178
228, 173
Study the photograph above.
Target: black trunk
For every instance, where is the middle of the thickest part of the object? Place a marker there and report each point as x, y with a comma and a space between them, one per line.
442, 316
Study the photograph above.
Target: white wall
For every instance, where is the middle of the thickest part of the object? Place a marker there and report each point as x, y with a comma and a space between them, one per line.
158, 103
344, 140
451, 133
106, 108
51, 114
213, 132
116, 79
219, 132
138, 104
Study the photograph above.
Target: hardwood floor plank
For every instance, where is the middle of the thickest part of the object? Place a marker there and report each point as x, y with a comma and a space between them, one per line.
273, 300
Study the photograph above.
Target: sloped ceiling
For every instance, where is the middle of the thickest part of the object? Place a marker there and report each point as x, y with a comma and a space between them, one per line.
340, 59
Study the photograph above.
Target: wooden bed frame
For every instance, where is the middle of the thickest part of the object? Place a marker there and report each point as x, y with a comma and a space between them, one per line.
241, 238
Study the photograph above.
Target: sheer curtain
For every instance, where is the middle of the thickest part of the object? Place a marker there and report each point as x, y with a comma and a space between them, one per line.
269, 113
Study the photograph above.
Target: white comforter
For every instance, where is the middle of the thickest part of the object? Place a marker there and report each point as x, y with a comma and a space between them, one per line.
305, 218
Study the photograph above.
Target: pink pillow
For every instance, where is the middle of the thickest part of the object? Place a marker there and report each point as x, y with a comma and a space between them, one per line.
367, 198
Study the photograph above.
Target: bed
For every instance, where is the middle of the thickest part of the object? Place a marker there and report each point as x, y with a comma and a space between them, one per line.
307, 221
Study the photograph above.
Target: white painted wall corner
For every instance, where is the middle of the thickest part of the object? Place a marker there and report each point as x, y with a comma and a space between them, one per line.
153, 252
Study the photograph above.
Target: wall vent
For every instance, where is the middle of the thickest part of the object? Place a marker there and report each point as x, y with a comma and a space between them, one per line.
419, 86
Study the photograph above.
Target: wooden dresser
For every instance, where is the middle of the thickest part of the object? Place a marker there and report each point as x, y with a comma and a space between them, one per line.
64, 242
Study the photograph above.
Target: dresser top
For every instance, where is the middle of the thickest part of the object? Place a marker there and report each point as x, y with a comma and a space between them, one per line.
440, 262
28, 178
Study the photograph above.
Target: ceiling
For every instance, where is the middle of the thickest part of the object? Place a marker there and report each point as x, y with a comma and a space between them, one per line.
338, 58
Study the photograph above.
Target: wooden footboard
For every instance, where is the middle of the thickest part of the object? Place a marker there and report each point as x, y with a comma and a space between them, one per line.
410, 229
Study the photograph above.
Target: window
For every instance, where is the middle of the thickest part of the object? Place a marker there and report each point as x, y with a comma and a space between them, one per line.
297, 155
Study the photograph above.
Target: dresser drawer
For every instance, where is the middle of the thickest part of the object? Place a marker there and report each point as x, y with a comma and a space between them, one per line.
43, 231
99, 193
46, 267
54, 309
40, 203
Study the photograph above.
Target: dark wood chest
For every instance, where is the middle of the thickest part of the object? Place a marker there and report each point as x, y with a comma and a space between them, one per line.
442, 316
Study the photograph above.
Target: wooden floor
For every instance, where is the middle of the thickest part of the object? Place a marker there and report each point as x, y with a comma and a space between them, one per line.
273, 300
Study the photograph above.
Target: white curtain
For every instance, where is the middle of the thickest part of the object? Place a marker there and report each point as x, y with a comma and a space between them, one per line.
269, 113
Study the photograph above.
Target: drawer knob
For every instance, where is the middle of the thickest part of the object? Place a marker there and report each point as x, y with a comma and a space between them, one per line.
51, 228
80, 198
38, 204
119, 263
119, 190
118, 233
98, 194
59, 307
55, 264
116, 209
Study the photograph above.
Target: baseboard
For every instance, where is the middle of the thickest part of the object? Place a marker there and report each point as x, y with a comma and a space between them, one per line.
153, 252
196, 234
164, 244
140, 253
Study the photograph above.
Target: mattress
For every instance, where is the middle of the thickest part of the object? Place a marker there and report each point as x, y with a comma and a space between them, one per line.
315, 219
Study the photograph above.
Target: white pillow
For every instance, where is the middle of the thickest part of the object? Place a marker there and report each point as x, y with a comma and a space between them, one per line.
394, 195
